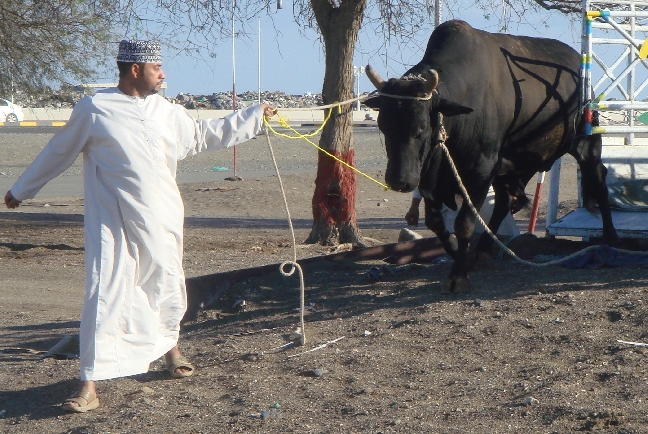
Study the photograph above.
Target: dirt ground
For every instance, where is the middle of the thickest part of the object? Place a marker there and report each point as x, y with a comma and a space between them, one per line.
530, 350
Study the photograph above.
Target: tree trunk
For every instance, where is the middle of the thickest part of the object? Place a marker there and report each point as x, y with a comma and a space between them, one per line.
334, 214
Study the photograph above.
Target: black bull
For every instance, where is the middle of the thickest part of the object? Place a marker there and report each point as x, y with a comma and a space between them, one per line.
511, 109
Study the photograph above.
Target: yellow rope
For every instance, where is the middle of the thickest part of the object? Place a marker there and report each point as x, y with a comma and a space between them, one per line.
283, 122
362, 97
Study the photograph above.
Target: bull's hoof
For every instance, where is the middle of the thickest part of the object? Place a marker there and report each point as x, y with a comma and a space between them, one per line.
484, 258
457, 284
612, 239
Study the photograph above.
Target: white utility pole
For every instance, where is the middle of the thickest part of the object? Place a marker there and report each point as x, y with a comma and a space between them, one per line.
259, 78
357, 72
234, 108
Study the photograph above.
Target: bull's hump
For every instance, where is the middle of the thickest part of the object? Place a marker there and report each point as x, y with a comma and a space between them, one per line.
450, 30
455, 45
453, 29
456, 25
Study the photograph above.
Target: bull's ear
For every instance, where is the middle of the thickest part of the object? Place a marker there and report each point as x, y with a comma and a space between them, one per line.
373, 102
451, 108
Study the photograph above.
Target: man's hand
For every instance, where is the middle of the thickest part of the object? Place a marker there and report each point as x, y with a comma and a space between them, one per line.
412, 216
268, 110
11, 201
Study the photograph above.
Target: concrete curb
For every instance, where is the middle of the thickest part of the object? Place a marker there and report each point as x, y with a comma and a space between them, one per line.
33, 124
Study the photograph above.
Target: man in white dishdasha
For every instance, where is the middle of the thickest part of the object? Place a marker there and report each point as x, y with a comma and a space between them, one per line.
131, 140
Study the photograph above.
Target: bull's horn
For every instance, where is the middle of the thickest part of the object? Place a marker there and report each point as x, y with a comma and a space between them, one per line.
374, 78
432, 81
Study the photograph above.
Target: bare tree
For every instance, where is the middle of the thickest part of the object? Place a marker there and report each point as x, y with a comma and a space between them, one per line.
564, 6
334, 216
49, 42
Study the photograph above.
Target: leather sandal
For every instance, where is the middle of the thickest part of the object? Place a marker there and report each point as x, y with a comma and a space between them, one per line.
81, 402
179, 362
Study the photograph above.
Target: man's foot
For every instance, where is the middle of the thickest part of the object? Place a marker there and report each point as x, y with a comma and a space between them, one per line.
178, 367
81, 401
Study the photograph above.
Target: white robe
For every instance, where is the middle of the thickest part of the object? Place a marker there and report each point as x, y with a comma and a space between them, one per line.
134, 215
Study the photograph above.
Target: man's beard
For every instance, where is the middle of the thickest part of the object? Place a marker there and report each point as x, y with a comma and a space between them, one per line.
156, 89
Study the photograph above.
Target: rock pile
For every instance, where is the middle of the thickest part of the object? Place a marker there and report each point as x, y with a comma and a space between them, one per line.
67, 98
223, 100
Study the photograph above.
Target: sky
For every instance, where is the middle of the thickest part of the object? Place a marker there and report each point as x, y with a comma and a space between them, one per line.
294, 63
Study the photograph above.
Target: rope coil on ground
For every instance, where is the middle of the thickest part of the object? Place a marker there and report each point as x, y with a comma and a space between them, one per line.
293, 263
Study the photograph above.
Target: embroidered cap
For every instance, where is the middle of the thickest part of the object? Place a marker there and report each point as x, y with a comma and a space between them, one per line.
138, 51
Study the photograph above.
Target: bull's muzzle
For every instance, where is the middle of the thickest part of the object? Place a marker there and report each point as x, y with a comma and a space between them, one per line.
401, 187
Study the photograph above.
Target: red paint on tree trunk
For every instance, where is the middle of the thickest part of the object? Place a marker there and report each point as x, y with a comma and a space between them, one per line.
335, 190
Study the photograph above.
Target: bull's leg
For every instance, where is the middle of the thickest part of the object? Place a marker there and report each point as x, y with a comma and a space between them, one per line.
587, 152
434, 222
464, 226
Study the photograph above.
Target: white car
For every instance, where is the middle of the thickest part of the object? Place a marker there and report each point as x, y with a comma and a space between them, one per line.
10, 112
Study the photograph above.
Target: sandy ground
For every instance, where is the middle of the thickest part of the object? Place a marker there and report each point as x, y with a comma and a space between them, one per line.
530, 350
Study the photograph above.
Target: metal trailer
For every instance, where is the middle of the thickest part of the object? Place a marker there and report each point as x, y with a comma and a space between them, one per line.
614, 76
